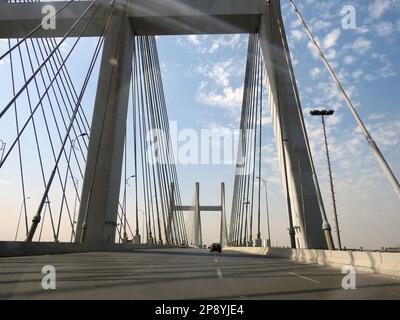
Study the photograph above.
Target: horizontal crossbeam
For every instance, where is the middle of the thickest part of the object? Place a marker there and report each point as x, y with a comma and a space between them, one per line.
148, 17
201, 208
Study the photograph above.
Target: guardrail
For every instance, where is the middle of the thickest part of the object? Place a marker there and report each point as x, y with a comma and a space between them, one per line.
15, 249
387, 263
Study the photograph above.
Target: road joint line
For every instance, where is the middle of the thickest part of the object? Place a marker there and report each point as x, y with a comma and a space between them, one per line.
303, 277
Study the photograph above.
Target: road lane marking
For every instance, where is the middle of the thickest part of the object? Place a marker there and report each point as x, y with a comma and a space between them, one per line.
216, 260
303, 277
219, 274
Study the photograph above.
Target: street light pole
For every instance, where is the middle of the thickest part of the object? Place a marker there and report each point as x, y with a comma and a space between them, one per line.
267, 209
2, 150
125, 238
324, 113
258, 240
246, 202
44, 216
76, 183
19, 218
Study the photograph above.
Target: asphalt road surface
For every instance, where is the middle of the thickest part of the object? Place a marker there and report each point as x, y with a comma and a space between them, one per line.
183, 274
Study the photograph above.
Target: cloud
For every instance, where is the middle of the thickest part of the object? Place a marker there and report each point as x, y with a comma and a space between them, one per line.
386, 133
194, 39
378, 8
219, 72
349, 59
228, 97
360, 45
296, 35
205, 44
385, 29
224, 41
357, 74
331, 38
321, 24
315, 72
2, 181
376, 116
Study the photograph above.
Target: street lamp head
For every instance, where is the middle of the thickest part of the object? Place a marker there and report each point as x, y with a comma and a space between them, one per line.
127, 179
322, 112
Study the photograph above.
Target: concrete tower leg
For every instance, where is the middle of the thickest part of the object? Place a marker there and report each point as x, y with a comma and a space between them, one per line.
171, 213
287, 113
223, 231
100, 194
197, 219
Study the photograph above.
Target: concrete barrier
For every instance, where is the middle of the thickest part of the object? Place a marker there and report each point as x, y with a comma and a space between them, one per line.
390, 264
15, 249
387, 263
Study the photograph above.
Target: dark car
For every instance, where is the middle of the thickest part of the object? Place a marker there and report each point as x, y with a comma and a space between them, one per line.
216, 247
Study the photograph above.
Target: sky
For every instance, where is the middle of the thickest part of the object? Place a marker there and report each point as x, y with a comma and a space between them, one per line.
203, 80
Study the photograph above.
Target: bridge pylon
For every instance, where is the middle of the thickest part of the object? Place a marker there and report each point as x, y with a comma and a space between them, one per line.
196, 208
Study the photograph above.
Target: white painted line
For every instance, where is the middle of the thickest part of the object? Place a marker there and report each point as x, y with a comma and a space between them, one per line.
219, 274
303, 277
216, 260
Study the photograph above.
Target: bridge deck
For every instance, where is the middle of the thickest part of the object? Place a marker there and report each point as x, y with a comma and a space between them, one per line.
182, 274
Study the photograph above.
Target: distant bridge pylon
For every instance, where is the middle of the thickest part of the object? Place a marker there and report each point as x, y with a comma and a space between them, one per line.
196, 208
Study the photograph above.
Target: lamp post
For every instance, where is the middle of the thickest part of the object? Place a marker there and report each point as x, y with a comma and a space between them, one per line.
267, 208
73, 144
73, 178
2, 150
44, 216
143, 221
246, 202
64, 184
76, 183
323, 114
19, 218
125, 238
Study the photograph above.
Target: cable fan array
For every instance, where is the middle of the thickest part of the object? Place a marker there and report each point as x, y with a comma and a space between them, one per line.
50, 125
45, 130
243, 204
153, 157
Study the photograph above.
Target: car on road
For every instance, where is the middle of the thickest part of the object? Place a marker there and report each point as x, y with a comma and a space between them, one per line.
216, 247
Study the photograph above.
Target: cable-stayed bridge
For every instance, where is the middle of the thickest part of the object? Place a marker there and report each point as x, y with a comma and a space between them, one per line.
53, 145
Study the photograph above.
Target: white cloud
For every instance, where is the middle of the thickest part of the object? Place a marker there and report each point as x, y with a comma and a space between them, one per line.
360, 45
219, 72
385, 29
349, 59
357, 74
224, 41
315, 72
330, 55
228, 98
194, 39
331, 38
387, 133
296, 35
376, 116
378, 8
5, 181
321, 24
